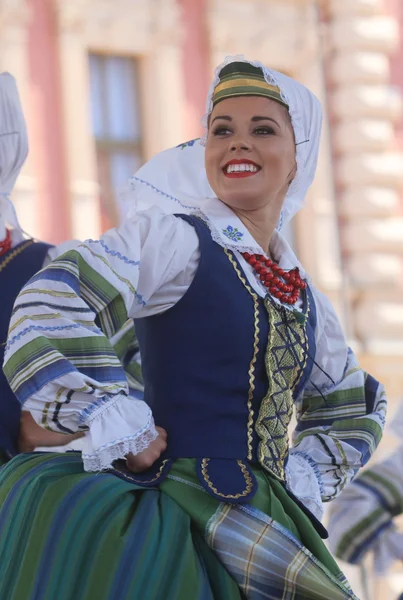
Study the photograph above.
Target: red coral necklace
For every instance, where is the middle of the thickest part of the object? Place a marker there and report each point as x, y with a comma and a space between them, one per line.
5, 244
284, 285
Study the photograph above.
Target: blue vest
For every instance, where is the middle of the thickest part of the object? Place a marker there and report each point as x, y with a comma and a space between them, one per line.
17, 266
221, 370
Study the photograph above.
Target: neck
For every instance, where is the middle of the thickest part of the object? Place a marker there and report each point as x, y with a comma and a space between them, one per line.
260, 223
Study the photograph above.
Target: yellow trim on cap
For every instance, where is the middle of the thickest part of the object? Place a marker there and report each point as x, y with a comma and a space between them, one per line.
234, 83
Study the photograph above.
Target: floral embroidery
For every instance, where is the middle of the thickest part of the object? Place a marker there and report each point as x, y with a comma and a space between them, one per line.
232, 233
190, 143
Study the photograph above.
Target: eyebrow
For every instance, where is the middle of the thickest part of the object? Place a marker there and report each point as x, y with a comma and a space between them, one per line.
254, 119
224, 117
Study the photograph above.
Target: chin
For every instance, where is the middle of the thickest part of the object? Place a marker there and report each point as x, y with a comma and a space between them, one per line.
241, 201
241, 193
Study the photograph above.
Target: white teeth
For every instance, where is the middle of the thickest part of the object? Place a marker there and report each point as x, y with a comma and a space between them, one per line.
241, 167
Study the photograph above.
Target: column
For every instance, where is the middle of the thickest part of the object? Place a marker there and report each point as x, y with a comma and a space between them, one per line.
369, 175
83, 186
395, 9
162, 77
317, 226
195, 63
46, 124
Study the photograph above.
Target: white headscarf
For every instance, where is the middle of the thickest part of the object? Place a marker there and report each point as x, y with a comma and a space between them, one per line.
13, 150
176, 179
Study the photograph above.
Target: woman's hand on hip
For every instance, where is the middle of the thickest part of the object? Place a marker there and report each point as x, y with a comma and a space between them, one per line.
144, 460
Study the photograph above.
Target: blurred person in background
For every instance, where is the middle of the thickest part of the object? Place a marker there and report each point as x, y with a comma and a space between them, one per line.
362, 520
20, 258
209, 501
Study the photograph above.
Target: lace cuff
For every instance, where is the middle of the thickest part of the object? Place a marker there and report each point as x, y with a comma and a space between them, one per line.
117, 426
304, 481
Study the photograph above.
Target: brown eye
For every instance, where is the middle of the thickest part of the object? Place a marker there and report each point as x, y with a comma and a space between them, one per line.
264, 131
221, 131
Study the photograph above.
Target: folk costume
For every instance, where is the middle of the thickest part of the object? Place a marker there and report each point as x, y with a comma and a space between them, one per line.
226, 357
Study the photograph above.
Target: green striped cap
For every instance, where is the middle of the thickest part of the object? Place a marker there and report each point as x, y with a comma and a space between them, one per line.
243, 79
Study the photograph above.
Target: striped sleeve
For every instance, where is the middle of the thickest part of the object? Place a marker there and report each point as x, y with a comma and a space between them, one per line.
362, 518
71, 328
124, 342
341, 414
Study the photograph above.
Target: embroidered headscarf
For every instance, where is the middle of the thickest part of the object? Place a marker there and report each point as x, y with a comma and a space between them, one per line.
13, 150
176, 179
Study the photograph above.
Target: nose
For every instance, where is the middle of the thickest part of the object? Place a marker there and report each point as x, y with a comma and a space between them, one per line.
239, 144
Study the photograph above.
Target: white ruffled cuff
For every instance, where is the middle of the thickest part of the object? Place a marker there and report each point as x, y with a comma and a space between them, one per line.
117, 426
303, 480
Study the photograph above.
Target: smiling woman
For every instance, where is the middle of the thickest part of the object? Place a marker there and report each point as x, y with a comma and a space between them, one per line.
213, 502
250, 137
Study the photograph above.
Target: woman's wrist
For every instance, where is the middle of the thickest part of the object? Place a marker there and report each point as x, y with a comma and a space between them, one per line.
303, 480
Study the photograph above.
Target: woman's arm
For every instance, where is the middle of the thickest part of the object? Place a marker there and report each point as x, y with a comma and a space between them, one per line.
341, 413
60, 361
31, 434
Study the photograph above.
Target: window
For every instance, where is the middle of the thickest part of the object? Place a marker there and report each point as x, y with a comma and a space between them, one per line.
116, 124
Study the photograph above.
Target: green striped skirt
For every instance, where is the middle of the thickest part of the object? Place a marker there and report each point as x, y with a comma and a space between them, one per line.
70, 535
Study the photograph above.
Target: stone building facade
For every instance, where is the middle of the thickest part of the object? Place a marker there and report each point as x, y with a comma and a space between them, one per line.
349, 52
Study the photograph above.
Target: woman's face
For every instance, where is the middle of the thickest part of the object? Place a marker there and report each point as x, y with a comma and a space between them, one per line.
250, 152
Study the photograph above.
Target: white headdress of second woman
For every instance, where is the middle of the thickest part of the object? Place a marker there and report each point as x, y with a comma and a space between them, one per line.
13, 152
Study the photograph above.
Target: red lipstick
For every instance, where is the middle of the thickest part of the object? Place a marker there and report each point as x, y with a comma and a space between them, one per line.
246, 172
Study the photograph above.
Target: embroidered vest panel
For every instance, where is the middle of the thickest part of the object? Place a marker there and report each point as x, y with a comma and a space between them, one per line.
291, 343
221, 371
17, 266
